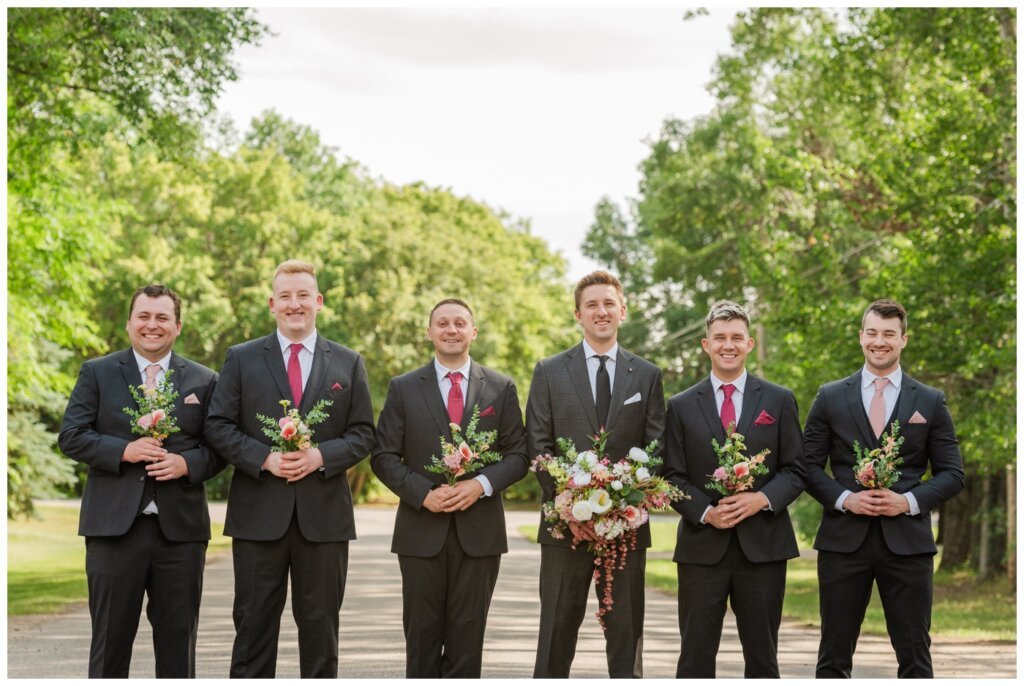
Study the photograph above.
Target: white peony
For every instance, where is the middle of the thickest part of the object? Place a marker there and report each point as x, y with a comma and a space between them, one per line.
600, 501
642, 474
638, 455
582, 511
580, 478
587, 459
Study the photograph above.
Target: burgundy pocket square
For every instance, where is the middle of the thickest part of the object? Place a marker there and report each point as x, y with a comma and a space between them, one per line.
916, 418
336, 387
763, 419
489, 412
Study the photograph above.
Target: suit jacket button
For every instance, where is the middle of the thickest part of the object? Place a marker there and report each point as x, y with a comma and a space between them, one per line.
142, 478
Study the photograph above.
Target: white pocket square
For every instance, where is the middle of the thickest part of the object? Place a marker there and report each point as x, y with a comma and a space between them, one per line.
634, 399
192, 399
917, 419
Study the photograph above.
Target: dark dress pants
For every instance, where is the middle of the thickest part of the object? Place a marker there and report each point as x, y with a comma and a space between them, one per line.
318, 573
905, 588
445, 600
754, 589
566, 576
120, 571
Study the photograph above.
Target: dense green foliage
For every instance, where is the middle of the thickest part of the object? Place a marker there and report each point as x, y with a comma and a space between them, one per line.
852, 155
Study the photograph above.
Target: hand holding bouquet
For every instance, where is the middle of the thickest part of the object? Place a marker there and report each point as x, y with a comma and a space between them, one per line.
877, 468
736, 472
466, 453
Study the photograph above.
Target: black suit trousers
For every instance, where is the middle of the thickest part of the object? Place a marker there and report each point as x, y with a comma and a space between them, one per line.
905, 589
318, 572
445, 599
120, 571
754, 589
566, 576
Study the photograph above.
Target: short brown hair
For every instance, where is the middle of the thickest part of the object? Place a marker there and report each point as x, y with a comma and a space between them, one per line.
598, 278
887, 308
156, 290
449, 301
725, 310
294, 267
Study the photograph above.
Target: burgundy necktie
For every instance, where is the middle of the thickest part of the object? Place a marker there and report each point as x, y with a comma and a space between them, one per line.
455, 403
876, 410
152, 372
728, 409
295, 374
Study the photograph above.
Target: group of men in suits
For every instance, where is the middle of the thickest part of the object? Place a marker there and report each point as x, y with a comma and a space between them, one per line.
146, 524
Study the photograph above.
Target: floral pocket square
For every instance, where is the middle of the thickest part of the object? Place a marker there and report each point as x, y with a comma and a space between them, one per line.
191, 399
764, 419
336, 387
489, 412
634, 399
916, 418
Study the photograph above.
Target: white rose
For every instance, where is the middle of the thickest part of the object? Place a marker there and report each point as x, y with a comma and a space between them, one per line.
638, 455
600, 501
581, 511
642, 474
581, 479
587, 459
617, 485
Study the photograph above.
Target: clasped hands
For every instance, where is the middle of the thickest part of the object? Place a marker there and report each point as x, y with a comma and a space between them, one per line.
455, 498
163, 466
295, 465
877, 502
735, 508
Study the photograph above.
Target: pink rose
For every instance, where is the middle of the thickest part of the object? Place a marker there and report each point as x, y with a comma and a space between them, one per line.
282, 421
741, 469
634, 516
158, 416
465, 452
145, 421
289, 430
453, 461
720, 474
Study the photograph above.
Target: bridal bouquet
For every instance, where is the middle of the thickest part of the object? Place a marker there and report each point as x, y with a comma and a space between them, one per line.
154, 418
292, 431
877, 468
465, 453
603, 501
736, 471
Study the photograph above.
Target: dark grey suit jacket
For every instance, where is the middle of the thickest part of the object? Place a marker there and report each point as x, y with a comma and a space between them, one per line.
690, 459
409, 432
837, 418
254, 381
561, 405
96, 431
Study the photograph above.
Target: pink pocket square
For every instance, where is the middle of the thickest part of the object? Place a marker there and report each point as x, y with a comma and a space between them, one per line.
763, 419
489, 412
336, 387
916, 418
191, 400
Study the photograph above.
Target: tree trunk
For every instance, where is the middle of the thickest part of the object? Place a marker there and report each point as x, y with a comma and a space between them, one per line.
1011, 525
956, 526
985, 539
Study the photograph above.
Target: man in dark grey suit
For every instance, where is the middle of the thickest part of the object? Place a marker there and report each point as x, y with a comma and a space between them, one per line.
144, 514
449, 539
573, 395
879, 535
290, 511
732, 549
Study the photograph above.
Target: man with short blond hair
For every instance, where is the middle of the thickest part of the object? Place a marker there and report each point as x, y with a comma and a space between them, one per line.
290, 512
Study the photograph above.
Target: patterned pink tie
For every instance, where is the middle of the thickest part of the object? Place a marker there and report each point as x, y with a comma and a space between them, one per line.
455, 402
728, 409
295, 374
876, 410
152, 372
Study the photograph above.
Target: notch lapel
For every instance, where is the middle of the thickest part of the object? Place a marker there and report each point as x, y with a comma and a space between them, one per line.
706, 401
576, 368
432, 399
855, 403
905, 403
317, 374
178, 378
130, 372
272, 355
752, 401
475, 390
625, 378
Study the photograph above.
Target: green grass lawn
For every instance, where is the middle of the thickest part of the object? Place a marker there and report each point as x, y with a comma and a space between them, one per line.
46, 561
961, 609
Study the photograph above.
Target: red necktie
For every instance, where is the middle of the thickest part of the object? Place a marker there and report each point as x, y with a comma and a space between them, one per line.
455, 403
295, 374
728, 409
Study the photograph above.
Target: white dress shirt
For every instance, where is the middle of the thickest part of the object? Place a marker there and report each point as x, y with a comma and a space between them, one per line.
593, 363
444, 384
142, 362
305, 355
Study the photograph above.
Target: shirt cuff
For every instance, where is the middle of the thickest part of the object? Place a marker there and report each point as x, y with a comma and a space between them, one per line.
705, 514
915, 509
485, 482
767, 500
842, 499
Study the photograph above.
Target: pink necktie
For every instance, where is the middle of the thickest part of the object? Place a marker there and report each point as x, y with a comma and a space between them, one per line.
455, 403
728, 409
152, 372
295, 374
876, 410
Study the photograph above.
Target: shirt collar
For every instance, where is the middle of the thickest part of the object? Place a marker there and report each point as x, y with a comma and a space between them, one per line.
142, 362
867, 378
443, 371
740, 382
309, 343
589, 352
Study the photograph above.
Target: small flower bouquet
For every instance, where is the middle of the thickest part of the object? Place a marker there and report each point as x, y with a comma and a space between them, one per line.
877, 468
292, 432
466, 453
736, 472
603, 502
154, 418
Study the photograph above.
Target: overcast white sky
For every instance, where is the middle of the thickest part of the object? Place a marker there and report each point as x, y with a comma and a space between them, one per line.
539, 112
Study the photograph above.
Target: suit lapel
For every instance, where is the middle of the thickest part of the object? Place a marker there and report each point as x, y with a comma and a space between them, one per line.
855, 403
273, 356
905, 403
706, 401
576, 367
432, 399
177, 365
130, 371
752, 400
475, 391
317, 373
623, 386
